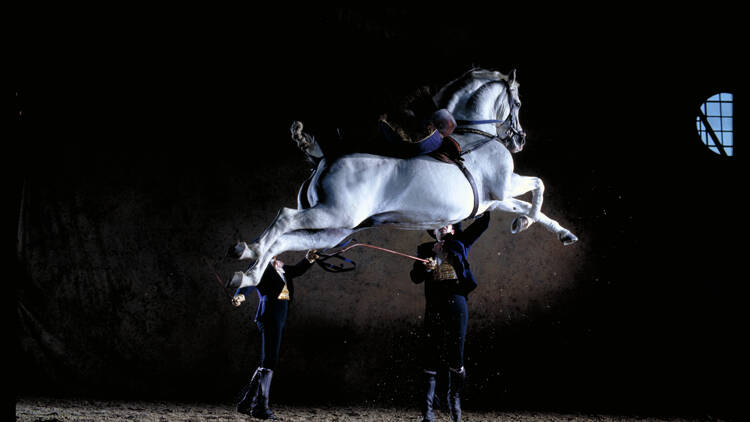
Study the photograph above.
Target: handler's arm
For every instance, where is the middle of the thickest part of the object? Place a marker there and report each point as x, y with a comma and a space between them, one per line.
244, 290
472, 233
299, 268
240, 295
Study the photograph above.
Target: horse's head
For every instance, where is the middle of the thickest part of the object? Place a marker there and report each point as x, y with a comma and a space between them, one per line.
509, 129
481, 98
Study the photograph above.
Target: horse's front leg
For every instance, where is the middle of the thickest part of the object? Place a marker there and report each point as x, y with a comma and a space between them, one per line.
520, 185
523, 208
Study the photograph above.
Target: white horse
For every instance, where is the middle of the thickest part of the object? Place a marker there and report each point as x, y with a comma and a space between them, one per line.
359, 191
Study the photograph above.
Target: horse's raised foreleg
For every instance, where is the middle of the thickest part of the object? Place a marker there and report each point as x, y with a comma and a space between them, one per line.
521, 184
298, 240
523, 208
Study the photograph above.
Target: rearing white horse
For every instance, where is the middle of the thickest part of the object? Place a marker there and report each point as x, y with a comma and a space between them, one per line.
359, 191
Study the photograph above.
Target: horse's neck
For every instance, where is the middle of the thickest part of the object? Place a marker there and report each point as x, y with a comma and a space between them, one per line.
492, 102
459, 98
487, 104
484, 102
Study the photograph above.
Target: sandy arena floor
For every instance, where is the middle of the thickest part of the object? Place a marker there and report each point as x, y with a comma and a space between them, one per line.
54, 410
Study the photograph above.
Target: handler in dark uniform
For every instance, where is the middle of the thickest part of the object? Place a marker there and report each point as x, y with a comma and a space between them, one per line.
448, 280
275, 290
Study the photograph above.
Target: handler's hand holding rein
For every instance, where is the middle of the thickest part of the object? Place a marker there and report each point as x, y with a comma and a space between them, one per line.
431, 264
312, 255
237, 300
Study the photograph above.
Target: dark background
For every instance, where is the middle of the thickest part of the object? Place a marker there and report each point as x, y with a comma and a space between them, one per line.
145, 147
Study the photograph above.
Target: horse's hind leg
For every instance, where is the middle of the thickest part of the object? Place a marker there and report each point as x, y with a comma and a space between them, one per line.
302, 240
242, 250
288, 220
316, 218
298, 240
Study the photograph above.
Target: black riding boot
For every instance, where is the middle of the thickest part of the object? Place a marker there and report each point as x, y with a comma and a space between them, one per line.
254, 401
456, 382
262, 411
429, 397
248, 393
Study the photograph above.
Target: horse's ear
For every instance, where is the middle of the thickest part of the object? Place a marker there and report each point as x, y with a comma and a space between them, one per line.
513, 75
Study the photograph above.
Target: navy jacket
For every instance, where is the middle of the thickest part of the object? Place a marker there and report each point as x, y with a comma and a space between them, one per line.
457, 245
271, 284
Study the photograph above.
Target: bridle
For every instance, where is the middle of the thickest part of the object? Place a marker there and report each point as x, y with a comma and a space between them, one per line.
508, 125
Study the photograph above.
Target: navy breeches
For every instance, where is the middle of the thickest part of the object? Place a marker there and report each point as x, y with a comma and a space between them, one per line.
445, 320
271, 323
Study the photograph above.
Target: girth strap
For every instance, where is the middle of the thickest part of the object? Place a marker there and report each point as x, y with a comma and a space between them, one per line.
450, 152
473, 184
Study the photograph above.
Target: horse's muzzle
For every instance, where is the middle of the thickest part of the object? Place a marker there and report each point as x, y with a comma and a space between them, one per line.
517, 143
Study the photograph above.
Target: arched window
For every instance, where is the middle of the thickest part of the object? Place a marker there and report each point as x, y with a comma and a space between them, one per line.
715, 123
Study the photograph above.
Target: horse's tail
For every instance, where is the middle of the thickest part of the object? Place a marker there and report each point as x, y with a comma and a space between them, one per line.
306, 142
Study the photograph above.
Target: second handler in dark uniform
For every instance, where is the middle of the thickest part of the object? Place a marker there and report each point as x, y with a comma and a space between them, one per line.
275, 291
448, 280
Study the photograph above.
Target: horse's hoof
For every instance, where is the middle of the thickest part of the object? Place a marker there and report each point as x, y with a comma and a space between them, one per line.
241, 251
568, 238
520, 224
235, 251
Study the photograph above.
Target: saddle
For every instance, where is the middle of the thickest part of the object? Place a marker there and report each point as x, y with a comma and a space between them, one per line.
444, 149
397, 144
449, 151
